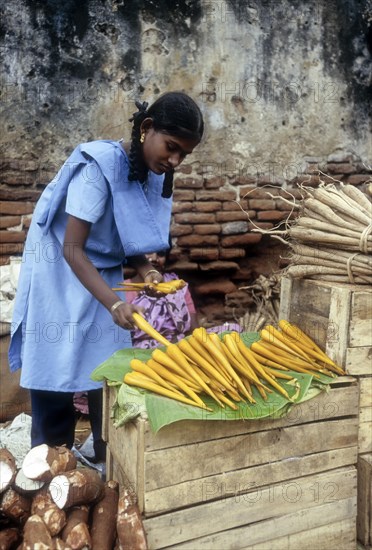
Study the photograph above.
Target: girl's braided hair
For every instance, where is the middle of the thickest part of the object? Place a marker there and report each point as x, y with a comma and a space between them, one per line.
173, 113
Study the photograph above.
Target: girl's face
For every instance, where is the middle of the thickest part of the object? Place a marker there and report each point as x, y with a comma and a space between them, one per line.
163, 152
157, 260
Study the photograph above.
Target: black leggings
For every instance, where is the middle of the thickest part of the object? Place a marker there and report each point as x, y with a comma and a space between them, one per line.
53, 419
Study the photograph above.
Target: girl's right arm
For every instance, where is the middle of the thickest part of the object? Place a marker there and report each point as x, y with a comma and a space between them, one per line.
77, 232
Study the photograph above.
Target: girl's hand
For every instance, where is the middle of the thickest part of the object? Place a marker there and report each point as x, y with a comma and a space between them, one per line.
153, 276
122, 315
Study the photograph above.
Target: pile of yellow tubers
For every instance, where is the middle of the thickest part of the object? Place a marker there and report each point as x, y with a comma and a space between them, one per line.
225, 368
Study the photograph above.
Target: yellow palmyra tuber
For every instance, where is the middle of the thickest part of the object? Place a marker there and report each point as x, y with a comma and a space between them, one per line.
226, 369
169, 287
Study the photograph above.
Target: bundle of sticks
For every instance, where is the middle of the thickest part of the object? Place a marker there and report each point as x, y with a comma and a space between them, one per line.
331, 238
265, 292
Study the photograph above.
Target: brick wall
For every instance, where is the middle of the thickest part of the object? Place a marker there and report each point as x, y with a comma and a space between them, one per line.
214, 247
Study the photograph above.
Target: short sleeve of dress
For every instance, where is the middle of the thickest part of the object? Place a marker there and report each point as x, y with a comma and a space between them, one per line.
87, 193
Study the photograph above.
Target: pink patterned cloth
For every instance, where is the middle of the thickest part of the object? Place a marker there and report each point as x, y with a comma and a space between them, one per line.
169, 315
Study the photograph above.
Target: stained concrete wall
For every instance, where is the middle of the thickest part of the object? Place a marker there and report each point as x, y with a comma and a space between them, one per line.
285, 89
276, 80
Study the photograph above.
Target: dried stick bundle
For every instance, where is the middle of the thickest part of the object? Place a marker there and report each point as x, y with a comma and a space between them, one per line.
265, 292
331, 238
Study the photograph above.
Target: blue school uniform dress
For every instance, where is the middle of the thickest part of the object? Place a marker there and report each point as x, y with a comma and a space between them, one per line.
60, 332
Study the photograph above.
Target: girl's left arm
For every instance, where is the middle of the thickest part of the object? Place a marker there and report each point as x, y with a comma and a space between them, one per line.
77, 232
145, 269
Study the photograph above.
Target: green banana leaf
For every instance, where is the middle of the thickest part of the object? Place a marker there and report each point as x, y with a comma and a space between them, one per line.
162, 411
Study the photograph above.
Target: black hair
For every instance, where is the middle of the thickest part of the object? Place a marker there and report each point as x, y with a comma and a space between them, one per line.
173, 113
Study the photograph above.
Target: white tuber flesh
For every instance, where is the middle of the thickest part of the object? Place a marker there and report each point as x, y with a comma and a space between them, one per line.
44, 462
8, 468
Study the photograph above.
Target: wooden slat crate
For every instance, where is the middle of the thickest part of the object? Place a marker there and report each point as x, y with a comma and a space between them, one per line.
339, 318
364, 519
284, 483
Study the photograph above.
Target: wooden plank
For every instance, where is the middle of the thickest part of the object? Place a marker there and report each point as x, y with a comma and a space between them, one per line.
365, 437
360, 333
268, 531
365, 414
364, 515
333, 536
359, 361
314, 326
254, 479
338, 328
361, 305
365, 391
285, 303
109, 464
312, 296
232, 453
229, 513
123, 445
340, 401
140, 464
106, 408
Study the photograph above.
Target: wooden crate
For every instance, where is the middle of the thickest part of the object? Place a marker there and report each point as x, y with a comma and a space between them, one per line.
364, 517
284, 483
339, 318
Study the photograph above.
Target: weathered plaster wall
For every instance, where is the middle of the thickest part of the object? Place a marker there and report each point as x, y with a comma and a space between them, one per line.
285, 88
276, 80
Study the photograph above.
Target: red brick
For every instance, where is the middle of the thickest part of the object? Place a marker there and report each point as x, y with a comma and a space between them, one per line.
229, 253
238, 298
207, 229
184, 169
213, 206
215, 182
340, 168
182, 206
233, 228
183, 195
197, 240
285, 206
312, 168
291, 192
11, 248
261, 225
215, 195
16, 208
235, 205
9, 177
258, 193
241, 240
306, 179
214, 287
204, 254
262, 204
19, 165
324, 178
194, 217
192, 183
7, 194
27, 221
219, 266
235, 216
357, 179
45, 177
183, 265
243, 180
272, 215
179, 230
9, 221
267, 179
12, 236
